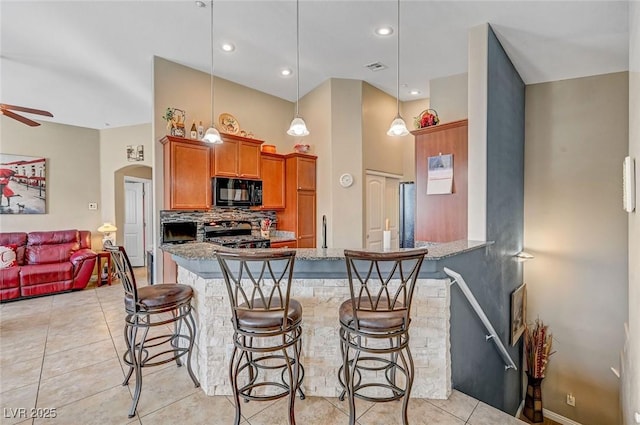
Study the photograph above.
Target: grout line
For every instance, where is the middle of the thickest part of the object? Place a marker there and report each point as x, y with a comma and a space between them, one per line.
44, 353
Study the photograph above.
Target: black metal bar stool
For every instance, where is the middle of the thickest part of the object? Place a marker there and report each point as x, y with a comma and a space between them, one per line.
375, 321
267, 326
152, 307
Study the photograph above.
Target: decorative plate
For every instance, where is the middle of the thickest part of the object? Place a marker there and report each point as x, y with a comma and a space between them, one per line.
229, 124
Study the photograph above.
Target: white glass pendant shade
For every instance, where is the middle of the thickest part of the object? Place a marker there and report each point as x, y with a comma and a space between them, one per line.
212, 136
298, 127
398, 127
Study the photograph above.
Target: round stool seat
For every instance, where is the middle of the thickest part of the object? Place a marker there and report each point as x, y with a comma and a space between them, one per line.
160, 296
372, 320
268, 319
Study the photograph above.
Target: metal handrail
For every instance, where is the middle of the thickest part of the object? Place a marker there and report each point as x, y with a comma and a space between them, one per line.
457, 278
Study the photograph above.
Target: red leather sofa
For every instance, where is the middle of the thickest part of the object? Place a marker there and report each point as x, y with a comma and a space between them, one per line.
47, 262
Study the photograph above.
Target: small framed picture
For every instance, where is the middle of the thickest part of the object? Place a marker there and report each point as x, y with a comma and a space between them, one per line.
518, 312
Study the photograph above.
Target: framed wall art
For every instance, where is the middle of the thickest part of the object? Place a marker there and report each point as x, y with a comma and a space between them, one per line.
23, 184
518, 312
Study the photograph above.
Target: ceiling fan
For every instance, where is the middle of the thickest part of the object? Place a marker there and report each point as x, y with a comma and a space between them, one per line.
7, 111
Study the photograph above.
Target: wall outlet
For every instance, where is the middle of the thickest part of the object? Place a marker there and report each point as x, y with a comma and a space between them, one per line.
93, 205
571, 400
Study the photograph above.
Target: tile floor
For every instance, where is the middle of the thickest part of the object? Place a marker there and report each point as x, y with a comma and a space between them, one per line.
64, 352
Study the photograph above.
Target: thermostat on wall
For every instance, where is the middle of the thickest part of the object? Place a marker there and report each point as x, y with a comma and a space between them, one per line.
346, 180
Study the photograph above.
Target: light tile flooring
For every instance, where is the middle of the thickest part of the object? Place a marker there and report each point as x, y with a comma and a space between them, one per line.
64, 352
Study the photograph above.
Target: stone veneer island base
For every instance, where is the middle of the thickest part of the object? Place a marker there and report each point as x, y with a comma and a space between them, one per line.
321, 285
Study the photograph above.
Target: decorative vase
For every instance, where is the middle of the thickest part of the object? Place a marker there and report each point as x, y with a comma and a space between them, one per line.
533, 400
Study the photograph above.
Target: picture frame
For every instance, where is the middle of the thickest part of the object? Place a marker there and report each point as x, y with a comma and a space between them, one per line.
518, 312
23, 184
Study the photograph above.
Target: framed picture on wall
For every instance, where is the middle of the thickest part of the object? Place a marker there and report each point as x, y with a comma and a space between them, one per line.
518, 312
23, 184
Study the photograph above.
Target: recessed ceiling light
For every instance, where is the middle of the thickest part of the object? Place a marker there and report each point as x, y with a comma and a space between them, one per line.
285, 72
228, 47
384, 31
414, 92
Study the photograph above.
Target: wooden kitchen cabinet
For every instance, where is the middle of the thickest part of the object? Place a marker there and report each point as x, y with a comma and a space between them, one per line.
273, 181
187, 174
237, 157
299, 214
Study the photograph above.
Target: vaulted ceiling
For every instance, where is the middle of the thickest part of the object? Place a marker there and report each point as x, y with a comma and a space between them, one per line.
90, 62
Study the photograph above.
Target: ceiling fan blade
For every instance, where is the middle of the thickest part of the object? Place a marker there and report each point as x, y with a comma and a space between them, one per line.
20, 118
28, 110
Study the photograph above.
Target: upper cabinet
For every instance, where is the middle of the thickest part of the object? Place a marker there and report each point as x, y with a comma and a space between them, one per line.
305, 172
273, 174
237, 157
186, 174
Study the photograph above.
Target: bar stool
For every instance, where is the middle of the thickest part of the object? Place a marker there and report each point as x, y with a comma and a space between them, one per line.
375, 321
267, 327
153, 307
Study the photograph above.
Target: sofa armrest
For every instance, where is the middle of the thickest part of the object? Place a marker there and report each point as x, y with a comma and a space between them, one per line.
81, 255
84, 261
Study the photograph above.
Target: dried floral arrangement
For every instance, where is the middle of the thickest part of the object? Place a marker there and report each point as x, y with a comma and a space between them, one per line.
537, 346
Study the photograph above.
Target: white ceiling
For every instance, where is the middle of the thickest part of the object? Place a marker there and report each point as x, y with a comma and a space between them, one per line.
90, 62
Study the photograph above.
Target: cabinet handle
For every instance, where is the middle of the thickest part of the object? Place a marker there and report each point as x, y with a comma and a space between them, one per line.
299, 187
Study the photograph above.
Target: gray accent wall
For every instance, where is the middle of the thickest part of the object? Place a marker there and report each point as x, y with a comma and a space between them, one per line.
477, 368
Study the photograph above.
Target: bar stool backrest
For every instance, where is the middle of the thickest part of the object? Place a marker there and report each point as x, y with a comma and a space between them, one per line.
383, 281
124, 270
258, 281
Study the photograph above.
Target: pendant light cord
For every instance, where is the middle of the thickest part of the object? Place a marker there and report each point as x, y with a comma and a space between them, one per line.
398, 70
297, 55
212, 123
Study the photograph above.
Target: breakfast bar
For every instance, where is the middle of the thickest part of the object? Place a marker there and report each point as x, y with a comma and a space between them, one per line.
320, 284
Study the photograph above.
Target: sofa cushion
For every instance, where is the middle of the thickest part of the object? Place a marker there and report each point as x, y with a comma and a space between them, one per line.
10, 278
19, 239
7, 256
53, 237
44, 273
51, 247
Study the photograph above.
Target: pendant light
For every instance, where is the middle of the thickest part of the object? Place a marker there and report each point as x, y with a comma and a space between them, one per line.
212, 135
398, 126
298, 126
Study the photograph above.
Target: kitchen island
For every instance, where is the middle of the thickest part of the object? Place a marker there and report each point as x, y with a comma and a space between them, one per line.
320, 285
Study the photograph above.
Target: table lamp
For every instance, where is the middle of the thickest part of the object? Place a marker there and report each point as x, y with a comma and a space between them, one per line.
107, 230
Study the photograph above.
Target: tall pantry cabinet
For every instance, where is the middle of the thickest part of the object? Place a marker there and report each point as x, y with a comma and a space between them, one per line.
299, 215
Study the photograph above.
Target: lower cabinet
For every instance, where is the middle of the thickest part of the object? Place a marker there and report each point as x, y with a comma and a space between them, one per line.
285, 244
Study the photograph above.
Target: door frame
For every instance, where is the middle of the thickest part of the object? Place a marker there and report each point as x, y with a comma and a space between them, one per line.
368, 172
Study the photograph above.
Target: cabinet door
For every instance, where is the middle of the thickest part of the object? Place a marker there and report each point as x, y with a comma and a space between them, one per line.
226, 159
306, 231
248, 160
190, 176
273, 188
306, 171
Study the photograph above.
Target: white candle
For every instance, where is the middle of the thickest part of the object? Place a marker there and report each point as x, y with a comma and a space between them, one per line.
386, 224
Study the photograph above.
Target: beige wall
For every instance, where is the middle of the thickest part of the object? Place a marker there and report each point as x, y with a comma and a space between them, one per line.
577, 230
631, 366
347, 147
477, 168
410, 110
73, 177
449, 97
382, 152
113, 157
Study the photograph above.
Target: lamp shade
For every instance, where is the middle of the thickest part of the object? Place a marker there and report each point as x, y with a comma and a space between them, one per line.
212, 136
298, 127
398, 127
107, 228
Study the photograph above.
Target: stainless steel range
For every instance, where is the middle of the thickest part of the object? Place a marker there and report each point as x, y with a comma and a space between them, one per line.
233, 234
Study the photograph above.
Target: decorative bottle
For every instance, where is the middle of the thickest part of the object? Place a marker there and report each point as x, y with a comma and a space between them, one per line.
194, 132
200, 131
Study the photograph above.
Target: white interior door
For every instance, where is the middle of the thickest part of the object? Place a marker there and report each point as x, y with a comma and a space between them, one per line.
382, 203
134, 222
374, 225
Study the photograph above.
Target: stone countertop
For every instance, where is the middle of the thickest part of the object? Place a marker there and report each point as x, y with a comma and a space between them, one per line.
274, 239
207, 251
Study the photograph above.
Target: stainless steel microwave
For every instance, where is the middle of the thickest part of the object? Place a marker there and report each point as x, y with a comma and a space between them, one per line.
229, 192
